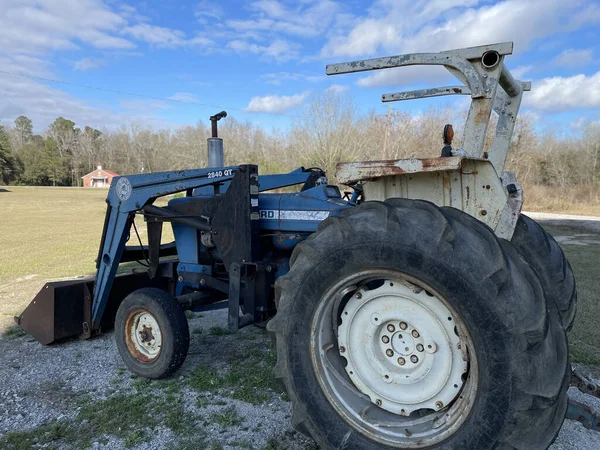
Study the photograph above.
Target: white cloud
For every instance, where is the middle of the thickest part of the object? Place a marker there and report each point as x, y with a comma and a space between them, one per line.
280, 77
574, 58
521, 71
565, 93
35, 27
304, 19
207, 11
276, 104
164, 37
337, 88
398, 27
279, 50
85, 64
185, 97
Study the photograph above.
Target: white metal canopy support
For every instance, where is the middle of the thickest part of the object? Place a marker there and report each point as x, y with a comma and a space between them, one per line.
482, 70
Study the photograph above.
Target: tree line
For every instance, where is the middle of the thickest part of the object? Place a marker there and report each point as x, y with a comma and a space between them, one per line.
329, 130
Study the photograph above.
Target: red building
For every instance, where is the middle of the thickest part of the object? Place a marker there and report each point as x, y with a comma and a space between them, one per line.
99, 178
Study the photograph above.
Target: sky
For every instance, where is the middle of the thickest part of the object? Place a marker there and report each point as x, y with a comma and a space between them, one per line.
264, 60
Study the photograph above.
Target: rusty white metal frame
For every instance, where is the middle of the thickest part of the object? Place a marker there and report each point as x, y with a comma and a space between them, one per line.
482, 70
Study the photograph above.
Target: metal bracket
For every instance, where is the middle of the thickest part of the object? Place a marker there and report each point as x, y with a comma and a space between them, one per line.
584, 385
482, 70
583, 414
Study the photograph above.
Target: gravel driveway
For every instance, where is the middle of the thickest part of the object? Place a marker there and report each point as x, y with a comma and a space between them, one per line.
79, 392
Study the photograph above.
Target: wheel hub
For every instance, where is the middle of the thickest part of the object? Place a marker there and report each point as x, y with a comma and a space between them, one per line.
401, 348
143, 336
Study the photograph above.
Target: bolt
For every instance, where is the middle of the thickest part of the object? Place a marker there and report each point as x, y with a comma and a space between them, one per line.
391, 328
358, 295
415, 333
420, 347
269, 268
403, 325
378, 402
342, 349
385, 339
401, 361
414, 359
483, 212
439, 405
202, 282
389, 352
180, 279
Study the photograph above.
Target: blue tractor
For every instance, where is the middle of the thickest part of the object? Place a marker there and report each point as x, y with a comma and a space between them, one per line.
417, 310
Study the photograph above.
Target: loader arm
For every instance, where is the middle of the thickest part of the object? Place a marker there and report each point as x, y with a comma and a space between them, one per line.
132, 193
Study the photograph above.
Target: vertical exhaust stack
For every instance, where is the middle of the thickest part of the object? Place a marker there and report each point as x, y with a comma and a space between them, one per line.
215, 143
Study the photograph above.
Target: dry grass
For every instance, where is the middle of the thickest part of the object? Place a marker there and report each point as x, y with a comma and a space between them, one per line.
584, 199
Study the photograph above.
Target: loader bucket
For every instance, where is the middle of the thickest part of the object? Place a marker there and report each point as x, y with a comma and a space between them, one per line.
63, 309
59, 311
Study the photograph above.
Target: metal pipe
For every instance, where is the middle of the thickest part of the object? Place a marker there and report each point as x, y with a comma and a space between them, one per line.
216, 157
511, 86
172, 216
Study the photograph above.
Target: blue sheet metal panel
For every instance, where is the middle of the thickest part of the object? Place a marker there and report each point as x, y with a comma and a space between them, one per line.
186, 241
299, 212
190, 267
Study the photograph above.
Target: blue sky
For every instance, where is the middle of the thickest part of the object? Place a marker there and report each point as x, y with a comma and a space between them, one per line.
263, 60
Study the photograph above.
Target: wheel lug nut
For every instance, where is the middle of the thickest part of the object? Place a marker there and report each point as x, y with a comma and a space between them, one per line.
420, 347
403, 325
415, 333
358, 295
378, 402
389, 352
385, 339
342, 349
401, 361
414, 359
391, 328
439, 405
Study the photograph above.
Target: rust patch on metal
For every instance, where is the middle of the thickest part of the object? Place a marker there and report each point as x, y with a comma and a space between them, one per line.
130, 344
349, 173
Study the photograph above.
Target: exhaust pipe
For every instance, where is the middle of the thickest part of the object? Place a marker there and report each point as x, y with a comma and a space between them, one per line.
215, 143
489, 61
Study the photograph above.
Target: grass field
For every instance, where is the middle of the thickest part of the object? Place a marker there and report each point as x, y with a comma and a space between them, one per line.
48, 233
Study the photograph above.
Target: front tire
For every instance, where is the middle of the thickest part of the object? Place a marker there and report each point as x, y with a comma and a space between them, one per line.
512, 388
152, 333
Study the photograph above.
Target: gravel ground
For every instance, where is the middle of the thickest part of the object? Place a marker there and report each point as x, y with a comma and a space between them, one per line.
58, 384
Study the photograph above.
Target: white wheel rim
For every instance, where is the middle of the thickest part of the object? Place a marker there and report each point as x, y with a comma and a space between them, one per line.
401, 348
143, 336
348, 360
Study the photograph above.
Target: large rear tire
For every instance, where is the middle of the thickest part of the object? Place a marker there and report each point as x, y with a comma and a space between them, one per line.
549, 262
152, 333
428, 260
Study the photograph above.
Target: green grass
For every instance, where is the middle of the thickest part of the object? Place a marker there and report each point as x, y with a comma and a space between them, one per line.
228, 417
584, 338
249, 377
218, 331
126, 416
14, 332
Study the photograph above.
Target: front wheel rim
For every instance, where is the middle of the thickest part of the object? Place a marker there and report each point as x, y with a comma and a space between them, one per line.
143, 336
394, 359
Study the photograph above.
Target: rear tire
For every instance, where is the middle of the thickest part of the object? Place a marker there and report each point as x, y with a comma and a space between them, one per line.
152, 333
549, 262
518, 346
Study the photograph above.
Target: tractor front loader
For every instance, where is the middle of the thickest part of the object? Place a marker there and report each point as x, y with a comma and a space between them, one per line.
422, 310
